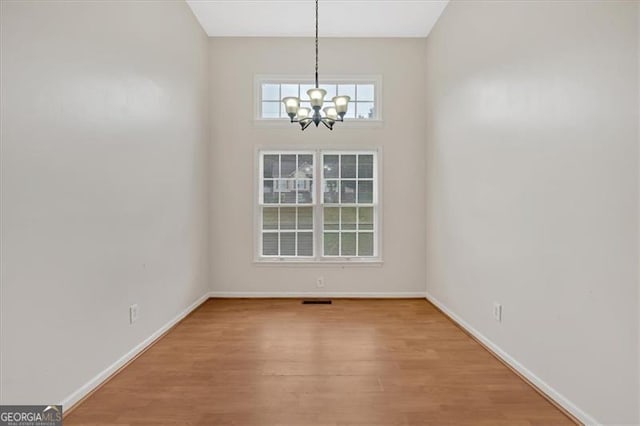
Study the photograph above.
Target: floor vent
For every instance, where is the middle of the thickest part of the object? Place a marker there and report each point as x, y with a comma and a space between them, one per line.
316, 302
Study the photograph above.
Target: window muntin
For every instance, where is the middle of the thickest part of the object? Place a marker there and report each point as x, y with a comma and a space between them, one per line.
343, 225
349, 198
361, 107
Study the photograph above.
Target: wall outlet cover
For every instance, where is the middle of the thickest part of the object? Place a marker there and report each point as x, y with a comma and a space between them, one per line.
133, 313
497, 312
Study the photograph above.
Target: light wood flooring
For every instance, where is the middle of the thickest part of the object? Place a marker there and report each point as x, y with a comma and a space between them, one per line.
278, 362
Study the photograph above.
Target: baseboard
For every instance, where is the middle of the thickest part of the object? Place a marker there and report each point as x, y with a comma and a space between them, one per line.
345, 295
70, 402
544, 388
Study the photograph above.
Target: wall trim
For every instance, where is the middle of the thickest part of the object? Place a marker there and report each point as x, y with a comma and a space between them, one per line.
555, 397
350, 295
76, 398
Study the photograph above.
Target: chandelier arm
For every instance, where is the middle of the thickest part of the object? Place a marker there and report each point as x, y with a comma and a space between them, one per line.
305, 125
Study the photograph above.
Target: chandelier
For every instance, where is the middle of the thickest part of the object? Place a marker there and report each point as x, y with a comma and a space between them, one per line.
329, 115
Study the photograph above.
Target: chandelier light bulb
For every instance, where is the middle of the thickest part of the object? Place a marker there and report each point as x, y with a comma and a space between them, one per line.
331, 113
303, 113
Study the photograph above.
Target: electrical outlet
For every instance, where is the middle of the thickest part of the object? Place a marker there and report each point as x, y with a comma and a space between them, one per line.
497, 311
133, 314
320, 282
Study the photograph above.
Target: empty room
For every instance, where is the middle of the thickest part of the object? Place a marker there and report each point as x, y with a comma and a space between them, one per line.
320, 212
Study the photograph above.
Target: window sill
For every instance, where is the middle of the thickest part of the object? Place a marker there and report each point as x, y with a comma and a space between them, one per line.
349, 123
318, 263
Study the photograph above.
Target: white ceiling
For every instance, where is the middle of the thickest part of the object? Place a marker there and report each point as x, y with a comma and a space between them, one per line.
338, 18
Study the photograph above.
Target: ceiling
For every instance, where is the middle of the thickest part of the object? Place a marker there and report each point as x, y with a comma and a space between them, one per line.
338, 18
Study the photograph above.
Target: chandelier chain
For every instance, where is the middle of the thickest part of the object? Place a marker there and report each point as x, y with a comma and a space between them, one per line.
317, 44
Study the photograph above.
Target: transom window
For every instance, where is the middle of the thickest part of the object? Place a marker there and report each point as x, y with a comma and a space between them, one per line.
306, 217
363, 93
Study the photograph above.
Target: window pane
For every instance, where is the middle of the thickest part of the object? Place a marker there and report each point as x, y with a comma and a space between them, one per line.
305, 244
349, 218
305, 217
288, 218
306, 104
365, 218
271, 166
365, 244
269, 196
351, 111
270, 109
280, 185
365, 191
365, 110
331, 191
270, 244
288, 244
331, 244
288, 166
331, 166
270, 92
331, 91
331, 218
305, 191
289, 90
287, 189
348, 247
348, 166
348, 90
366, 92
305, 166
348, 194
365, 166
270, 218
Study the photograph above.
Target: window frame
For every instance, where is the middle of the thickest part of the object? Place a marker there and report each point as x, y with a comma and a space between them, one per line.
374, 202
318, 206
261, 79
261, 204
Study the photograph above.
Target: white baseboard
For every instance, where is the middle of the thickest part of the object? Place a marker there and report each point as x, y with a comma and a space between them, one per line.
508, 359
84, 390
354, 295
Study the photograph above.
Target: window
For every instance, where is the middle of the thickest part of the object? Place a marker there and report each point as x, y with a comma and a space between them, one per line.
364, 93
348, 204
287, 202
318, 205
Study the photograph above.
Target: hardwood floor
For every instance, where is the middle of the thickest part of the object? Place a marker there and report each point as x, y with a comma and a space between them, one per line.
278, 362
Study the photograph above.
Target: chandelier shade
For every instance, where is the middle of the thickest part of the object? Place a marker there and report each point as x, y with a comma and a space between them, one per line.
291, 105
329, 115
303, 113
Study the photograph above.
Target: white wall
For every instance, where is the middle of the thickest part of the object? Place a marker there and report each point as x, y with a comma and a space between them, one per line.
533, 189
104, 199
234, 62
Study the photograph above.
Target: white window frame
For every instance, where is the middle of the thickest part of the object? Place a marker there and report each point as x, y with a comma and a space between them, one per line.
318, 209
261, 79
